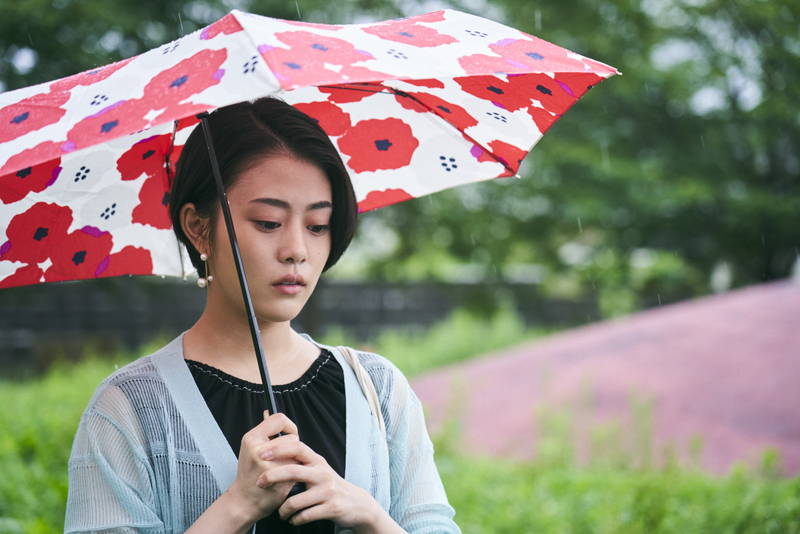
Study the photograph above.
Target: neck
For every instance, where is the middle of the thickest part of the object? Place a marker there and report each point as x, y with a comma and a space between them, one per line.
221, 337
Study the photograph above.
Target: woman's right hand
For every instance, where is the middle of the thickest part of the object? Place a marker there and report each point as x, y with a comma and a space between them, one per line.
254, 501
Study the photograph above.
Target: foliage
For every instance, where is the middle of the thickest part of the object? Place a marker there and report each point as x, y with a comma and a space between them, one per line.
457, 338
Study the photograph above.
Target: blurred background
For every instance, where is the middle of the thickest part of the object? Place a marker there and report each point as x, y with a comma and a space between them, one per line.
653, 243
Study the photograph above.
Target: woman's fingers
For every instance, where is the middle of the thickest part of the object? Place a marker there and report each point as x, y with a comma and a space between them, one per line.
288, 447
290, 473
306, 499
272, 425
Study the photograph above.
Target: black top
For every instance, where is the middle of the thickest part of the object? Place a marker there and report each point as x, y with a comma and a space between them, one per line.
315, 402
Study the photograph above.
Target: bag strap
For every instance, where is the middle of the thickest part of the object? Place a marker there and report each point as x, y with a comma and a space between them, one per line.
366, 383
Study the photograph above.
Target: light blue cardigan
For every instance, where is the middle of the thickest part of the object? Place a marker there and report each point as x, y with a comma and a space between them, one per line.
149, 457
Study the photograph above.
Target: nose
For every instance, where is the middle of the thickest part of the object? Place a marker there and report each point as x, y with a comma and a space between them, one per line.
292, 247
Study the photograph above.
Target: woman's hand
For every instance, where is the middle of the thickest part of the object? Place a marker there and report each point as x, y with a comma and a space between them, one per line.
328, 496
255, 502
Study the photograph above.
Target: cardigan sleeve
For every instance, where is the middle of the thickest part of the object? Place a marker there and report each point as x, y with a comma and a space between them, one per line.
110, 478
418, 499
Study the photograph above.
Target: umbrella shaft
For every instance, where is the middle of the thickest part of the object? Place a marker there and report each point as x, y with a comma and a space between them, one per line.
237, 258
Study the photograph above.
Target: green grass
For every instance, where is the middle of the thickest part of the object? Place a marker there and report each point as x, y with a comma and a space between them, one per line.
617, 492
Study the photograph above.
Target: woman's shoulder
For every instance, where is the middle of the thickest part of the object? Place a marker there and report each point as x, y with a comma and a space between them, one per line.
129, 384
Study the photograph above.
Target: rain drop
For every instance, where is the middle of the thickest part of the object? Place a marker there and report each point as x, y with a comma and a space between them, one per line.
180, 22
297, 5
703, 141
658, 295
580, 226
537, 17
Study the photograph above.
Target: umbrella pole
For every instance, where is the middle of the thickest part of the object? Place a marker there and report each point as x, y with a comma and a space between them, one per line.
237, 259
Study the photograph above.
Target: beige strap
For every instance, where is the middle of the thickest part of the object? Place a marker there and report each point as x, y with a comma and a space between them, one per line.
366, 384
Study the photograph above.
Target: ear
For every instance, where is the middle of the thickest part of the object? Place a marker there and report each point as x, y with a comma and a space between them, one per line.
196, 227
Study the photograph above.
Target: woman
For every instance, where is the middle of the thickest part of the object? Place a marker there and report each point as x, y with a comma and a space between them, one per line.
179, 440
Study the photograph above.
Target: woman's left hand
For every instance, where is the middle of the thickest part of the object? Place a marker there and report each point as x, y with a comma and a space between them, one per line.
327, 495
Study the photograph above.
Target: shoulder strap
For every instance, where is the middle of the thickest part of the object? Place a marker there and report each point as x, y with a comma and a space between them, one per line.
366, 384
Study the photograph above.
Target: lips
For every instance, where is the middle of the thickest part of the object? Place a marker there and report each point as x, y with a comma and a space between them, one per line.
290, 280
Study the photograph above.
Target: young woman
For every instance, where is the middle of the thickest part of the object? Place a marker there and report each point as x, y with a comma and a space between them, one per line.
179, 440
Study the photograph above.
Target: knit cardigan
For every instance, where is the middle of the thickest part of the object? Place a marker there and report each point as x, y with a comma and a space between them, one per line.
149, 457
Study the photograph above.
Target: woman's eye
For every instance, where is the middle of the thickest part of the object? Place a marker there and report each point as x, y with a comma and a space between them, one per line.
268, 225
319, 228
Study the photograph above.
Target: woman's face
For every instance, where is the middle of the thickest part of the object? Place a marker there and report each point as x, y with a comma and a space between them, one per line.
281, 208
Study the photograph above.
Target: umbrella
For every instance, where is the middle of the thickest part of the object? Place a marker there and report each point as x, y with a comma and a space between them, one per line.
414, 106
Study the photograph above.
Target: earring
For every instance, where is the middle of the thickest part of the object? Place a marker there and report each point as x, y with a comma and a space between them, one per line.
203, 282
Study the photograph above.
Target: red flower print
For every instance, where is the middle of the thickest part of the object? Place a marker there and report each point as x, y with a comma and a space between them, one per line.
315, 49
521, 55
129, 260
344, 93
226, 25
145, 157
88, 77
577, 83
113, 121
499, 92
180, 111
329, 116
24, 276
79, 255
435, 16
452, 113
536, 53
543, 118
303, 63
153, 203
362, 74
31, 114
16, 185
553, 96
189, 77
403, 31
375, 144
187, 122
292, 72
313, 25
379, 199
600, 68
483, 64
433, 83
509, 155
32, 156
35, 233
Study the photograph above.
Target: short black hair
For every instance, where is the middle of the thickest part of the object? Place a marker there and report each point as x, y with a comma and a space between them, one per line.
243, 133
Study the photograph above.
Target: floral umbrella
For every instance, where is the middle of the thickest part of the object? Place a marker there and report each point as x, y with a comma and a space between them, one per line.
414, 106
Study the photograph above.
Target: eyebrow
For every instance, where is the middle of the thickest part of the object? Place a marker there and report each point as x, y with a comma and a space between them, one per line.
278, 203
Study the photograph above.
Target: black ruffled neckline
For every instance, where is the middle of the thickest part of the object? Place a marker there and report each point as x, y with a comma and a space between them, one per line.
298, 384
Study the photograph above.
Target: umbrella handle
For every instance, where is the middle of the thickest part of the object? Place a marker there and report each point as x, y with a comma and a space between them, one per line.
237, 258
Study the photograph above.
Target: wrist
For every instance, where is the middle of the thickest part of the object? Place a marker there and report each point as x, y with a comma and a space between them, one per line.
378, 521
239, 514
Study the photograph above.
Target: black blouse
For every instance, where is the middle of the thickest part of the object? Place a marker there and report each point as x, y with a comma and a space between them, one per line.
315, 402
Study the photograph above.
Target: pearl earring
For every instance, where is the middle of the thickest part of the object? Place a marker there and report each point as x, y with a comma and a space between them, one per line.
203, 282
